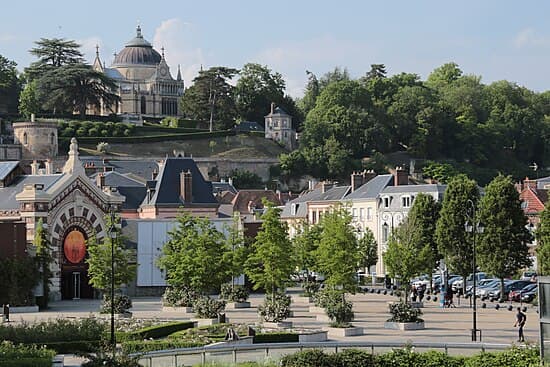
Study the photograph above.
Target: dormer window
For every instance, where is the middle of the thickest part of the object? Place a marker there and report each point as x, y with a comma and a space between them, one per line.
386, 201
293, 208
25, 139
406, 201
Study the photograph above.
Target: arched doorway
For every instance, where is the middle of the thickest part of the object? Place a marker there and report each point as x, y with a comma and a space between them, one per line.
74, 270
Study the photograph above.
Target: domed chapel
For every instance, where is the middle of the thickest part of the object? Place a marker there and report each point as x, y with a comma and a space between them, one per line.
145, 84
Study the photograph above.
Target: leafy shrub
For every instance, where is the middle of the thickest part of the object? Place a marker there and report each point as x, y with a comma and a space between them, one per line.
127, 132
324, 297
104, 357
208, 308
352, 358
339, 310
276, 307
58, 330
179, 297
94, 131
517, 357
162, 330
122, 303
234, 293
11, 351
311, 288
67, 132
152, 345
307, 358
404, 312
103, 147
279, 337
71, 346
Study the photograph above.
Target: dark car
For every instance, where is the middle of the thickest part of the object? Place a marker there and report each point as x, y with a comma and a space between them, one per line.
515, 295
512, 286
529, 296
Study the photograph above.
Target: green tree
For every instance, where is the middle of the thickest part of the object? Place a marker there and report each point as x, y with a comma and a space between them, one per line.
100, 257
271, 263
44, 258
211, 98
442, 172
236, 242
502, 249
243, 179
450, 233
543, 243
28, 100
74, 87
305, 245
368, 250
53, 53
338, 253
424, 215
311, 92
196, 255
403, 258
10, 85
257, 88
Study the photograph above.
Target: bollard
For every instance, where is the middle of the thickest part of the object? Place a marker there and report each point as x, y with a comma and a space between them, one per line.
484, 305
6, 312
510, 308
524, 309
497, 306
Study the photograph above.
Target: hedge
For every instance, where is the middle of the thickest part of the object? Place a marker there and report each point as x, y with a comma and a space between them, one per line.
72, 346
280, 337
148, 138
161, 331
27, 362
153, 345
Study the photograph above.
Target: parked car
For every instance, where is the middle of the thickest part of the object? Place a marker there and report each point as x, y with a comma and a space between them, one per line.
483, 291
508, 287
458, 285
421, 281
529, 275
515, 295
450, 279
530, 295
482, 284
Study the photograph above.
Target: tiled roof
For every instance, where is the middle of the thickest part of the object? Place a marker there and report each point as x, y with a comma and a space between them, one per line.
246, 198
415, 188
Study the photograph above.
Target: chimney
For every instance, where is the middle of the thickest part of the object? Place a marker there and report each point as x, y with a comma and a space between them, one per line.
48, 165
100, 180
272, 107
186, 186
368, 175
325, 186
154, 175
356, 180
527, 183
400, 178
34, 167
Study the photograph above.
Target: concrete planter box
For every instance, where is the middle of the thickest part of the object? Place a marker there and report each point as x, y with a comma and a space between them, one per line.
277, 325
417, 304
315, 309
404, 325
302, 299
206, 322
319, 336
23, 309
244, 340
344, 331
237, 305
177, 309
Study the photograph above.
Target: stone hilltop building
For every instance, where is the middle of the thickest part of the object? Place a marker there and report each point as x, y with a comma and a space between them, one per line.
145, 85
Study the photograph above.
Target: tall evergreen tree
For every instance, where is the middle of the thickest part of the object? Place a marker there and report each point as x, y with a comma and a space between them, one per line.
450, 233
502, 249
53, 53
543, 243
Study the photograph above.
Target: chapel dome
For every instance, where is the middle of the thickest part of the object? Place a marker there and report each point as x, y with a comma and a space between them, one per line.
137, 52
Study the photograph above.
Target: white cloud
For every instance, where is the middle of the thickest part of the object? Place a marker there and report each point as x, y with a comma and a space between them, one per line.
88, 46
529, 37
176, 37
318, 55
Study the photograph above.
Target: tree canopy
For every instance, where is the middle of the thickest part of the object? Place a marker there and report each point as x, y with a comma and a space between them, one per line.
543, 242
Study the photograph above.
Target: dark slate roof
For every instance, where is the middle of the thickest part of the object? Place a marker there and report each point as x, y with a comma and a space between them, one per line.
542, 182
415, 188
300, 203
113, 73
6, 168
334, 193
134, 196
219, 187
246, 126
7, 194
168, 183
116, 179
141, 168
371, 189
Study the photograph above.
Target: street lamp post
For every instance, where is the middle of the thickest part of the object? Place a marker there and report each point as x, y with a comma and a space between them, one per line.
473, 226
113, 236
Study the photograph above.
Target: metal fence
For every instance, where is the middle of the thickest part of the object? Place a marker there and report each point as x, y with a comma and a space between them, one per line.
273, 351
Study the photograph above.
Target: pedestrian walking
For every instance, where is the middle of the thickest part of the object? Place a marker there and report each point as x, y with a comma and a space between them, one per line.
521, 318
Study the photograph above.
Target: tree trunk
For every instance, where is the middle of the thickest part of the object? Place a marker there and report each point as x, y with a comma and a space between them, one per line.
502, 290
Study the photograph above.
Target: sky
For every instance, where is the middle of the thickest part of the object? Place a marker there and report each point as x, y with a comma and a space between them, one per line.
493, 39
